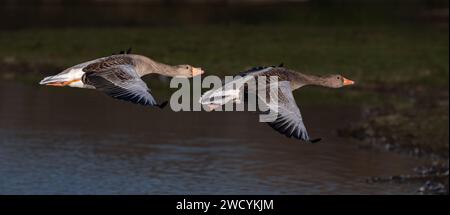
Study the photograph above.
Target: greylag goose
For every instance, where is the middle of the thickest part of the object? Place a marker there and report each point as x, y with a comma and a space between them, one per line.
119, 76
288, 120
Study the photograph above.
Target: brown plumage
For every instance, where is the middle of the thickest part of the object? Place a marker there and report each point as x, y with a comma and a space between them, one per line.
288, 120
119, 76
108, 62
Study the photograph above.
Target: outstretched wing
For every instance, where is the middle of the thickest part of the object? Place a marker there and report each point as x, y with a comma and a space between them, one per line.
121, 82
288, 120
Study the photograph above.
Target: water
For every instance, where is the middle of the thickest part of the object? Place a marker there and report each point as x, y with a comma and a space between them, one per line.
75, 141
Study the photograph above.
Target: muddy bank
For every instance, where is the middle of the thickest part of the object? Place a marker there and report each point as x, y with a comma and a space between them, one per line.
434, 178
416, 124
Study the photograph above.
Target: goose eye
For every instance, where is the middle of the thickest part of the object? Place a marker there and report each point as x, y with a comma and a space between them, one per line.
338, 77
187, 67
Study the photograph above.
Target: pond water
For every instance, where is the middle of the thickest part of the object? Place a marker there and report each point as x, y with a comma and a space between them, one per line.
77, 141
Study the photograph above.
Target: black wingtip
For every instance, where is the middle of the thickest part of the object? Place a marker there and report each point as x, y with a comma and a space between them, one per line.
128, 51
315, 140
281, 65
163, 104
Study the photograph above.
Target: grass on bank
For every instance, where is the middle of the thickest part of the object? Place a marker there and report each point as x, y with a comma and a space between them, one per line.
366, 54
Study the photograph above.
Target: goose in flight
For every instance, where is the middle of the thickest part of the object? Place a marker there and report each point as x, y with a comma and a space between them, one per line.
119, 76
288, 119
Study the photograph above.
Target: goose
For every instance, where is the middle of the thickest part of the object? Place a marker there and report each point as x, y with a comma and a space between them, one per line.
119, 76
288, 119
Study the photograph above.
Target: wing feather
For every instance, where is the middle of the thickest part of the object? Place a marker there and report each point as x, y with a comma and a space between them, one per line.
121, 82
289, 120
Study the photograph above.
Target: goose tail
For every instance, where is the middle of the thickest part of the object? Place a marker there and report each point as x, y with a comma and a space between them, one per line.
71, 78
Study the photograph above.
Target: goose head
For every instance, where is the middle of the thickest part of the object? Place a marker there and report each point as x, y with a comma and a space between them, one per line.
188, 70
335, 81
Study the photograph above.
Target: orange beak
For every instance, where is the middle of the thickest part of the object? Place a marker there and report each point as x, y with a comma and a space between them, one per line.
62, 84
196, 71
348, 82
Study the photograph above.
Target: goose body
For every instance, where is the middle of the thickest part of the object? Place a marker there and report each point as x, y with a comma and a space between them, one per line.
119, 76
288, 120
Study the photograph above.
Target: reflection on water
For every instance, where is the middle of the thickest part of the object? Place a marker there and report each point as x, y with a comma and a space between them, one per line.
73, 141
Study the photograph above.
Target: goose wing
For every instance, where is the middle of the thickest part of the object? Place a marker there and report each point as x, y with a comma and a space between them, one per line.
105, 63
255, 71
119, 81
230, 91
288, 119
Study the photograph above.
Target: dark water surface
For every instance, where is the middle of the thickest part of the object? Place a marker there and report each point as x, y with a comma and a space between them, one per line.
76, 141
